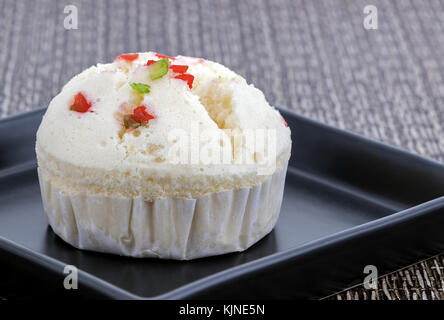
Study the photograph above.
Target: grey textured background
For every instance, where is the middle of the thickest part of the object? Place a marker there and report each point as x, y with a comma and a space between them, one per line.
314, 57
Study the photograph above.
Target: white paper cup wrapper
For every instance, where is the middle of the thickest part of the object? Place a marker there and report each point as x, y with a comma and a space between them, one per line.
168, 228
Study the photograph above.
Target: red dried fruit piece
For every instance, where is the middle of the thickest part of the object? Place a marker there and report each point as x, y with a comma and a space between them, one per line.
141, 115
189, 78
150, 62
80, 104
161, 56
285, 122
178, 68
128, 57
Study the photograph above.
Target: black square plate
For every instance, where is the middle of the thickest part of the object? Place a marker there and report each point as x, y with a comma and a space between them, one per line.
349, 202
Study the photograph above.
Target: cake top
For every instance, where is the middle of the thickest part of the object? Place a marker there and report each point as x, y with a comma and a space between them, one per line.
166, 116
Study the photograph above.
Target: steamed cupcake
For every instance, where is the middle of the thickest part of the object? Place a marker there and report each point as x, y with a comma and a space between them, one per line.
157, 156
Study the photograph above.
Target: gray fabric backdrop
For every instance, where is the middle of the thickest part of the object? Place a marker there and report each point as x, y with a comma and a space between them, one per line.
314, 57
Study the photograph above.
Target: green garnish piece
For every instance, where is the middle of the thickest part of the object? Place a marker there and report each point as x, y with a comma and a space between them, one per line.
159, 68
140, 87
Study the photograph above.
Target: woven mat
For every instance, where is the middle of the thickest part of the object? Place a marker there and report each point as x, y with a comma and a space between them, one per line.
314, 57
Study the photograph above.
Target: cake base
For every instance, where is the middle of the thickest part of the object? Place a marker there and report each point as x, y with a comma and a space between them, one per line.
167, 228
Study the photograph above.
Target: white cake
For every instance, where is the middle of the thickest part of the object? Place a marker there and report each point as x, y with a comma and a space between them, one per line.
155, 156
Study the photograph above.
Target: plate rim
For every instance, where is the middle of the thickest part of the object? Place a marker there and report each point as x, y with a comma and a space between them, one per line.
110, 290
